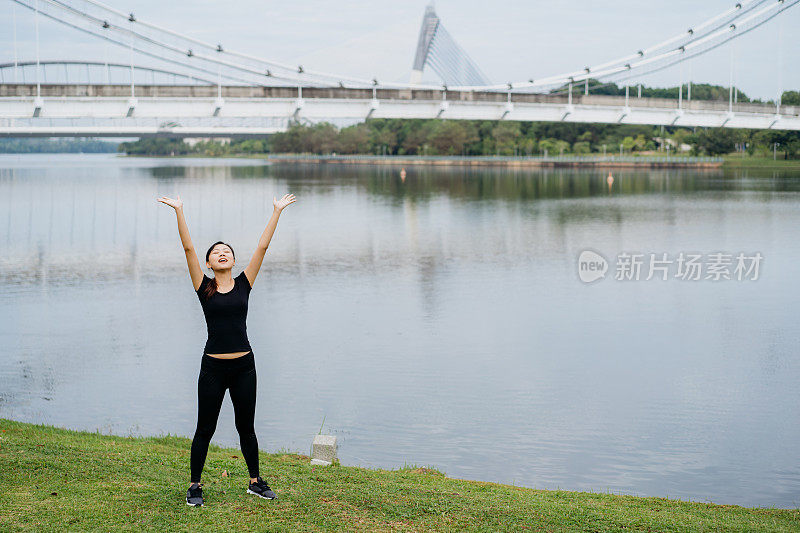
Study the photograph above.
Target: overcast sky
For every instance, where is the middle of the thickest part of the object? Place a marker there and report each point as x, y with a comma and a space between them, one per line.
509, 40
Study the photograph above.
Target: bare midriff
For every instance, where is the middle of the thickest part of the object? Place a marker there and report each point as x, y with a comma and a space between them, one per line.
227, 355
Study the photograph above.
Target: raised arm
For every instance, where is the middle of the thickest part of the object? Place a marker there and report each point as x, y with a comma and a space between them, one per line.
195, 271
251, 271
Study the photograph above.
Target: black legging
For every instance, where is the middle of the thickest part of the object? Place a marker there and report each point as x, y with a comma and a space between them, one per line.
216, 375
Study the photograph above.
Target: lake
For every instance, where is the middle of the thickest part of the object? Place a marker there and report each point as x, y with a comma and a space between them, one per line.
437, 320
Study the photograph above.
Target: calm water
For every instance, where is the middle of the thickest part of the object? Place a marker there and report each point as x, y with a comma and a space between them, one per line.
435, 321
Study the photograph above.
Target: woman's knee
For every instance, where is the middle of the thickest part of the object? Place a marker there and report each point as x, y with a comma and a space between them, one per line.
245, 427
205, 431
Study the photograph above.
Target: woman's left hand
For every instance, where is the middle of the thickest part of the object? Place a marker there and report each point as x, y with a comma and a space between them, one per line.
283, 202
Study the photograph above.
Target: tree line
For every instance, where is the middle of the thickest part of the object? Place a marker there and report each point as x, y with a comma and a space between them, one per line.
415, 137
700, 91
469, 138
68, 145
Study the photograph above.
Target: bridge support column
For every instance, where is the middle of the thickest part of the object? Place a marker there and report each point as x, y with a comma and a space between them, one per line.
373, 105
625, 110
38, 103
728, 118
568, 111
509, 107
298, 106
442, 108
131, 106
444, 104
775, 120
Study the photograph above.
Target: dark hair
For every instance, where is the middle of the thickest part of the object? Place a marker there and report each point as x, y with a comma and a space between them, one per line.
211, 287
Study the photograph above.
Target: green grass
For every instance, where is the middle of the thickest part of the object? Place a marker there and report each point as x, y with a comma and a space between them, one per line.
731, 160
737, 161
54, 479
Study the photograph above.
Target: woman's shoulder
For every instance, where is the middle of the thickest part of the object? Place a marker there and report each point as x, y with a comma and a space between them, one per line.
203, 283
242, 277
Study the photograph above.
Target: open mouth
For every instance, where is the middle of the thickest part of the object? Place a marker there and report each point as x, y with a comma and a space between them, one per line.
223, 260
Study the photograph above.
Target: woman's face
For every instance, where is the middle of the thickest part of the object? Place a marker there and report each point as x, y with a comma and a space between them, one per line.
220, 258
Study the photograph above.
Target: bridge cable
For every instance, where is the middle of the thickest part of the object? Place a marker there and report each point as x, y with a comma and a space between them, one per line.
695, 42
36, 25
102, 6
737, 12
735, 35
122, 66
780, 68
274, 64
14, 16
144, 52
738, 32
138, 50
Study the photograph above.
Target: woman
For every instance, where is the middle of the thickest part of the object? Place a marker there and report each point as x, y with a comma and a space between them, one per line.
228, 361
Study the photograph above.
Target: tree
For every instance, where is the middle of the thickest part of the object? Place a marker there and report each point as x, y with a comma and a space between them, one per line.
322, 138
716, 141
632, 144
251, 146
449, 137
380, 137
528, 146
290, 141
790, 98
415, 136
679, 137
553, 146
581, 147
505, 135
354, 139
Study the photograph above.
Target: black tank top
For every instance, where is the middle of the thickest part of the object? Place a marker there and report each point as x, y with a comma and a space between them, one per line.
226, 316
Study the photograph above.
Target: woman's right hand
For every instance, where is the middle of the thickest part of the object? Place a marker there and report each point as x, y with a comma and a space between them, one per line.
176, 204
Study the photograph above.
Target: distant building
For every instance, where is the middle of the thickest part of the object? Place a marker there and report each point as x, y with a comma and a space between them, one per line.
191, 141
664, 142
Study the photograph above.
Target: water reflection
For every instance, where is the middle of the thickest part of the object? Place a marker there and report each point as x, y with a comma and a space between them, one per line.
432, 320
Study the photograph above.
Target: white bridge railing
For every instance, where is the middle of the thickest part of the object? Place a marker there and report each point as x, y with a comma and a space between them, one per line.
97, 110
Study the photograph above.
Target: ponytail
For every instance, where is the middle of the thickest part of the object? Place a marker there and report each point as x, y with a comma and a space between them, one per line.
210, 288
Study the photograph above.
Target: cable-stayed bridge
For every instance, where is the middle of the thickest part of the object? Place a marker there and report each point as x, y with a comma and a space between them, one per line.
179, 86
436, 47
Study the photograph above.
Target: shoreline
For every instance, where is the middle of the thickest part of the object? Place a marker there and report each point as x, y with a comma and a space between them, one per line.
57, 478
725, 162
501, 161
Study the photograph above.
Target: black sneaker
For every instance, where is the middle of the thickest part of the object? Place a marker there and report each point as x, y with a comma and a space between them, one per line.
261, 489
194, 496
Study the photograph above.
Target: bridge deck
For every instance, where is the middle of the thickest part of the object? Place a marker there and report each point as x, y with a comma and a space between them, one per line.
207, 91
196, 110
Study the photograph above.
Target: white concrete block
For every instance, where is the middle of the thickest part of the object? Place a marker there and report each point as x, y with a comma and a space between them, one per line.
324, 448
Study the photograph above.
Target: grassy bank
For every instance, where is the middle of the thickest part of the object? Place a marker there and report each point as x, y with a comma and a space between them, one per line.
729, 161
737, 161
56, 479
577, 161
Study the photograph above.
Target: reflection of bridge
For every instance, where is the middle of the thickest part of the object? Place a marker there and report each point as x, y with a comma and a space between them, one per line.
194, 88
